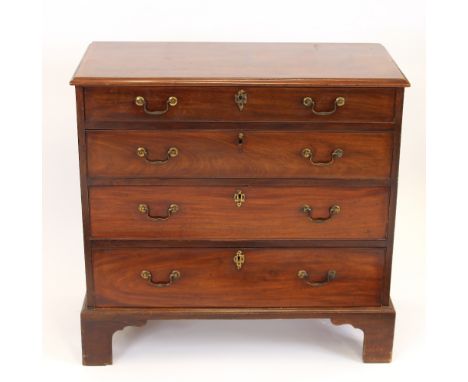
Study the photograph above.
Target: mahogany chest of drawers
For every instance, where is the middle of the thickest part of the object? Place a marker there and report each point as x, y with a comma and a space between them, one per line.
238, 180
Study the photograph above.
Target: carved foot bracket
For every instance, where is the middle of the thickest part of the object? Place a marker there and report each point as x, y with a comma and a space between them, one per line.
378, 331
96, 335
99, 325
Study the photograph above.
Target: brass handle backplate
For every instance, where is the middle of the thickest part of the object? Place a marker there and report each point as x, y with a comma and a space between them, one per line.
303, 275
141, 101
309, 102
333, 210
142, 152
308, 154
173, 276
144, 209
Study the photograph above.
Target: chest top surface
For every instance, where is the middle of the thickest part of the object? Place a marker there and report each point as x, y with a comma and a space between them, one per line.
288, 64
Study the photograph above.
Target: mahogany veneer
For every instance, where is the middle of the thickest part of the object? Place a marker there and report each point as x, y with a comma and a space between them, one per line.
273, 104
267, 278
209, 212
238, 180
213, 153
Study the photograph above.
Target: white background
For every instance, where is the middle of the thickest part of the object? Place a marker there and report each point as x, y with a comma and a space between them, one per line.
227, 350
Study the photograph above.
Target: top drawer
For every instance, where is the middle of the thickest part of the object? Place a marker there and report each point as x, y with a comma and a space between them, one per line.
263, 104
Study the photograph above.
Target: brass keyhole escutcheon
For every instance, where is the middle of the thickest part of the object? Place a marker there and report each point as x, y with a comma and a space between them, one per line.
240, 98
239, 259
239, 198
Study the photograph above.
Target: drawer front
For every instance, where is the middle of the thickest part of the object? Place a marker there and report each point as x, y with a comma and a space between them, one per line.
223, 213
237, 154
219, 104
208, 277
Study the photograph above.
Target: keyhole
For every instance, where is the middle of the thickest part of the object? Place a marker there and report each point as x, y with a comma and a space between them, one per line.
240, 138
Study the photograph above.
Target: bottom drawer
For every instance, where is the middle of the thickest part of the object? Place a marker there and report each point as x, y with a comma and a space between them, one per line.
209, 277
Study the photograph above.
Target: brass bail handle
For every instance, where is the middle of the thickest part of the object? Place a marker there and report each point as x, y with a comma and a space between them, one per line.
171, 210
141, 101
142, 152
173, 276
336, 154
332, 211
303, 275
309, 102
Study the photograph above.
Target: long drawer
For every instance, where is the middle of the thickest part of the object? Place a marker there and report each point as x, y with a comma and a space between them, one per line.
226, 104
243, 213
238, 154
211, 277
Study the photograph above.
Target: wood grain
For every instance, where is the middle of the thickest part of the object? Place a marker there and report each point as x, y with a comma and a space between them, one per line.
82, 152
164, 63
276, 236
96, 336
236, 182
392, 208
251, 126
131, 243
211, 213
378, 331
218, 154
99, 324
217, 104
209, 277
